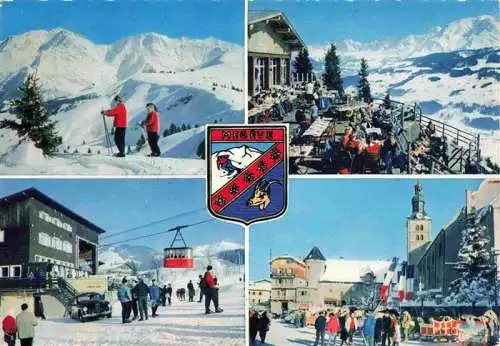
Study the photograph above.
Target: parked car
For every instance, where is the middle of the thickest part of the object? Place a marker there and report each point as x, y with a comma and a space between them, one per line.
90, 305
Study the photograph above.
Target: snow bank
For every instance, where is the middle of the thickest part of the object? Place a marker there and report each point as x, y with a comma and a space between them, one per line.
24, 153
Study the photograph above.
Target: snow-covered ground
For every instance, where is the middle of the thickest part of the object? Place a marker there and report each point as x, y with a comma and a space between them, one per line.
192, 82
283, 334
182, 323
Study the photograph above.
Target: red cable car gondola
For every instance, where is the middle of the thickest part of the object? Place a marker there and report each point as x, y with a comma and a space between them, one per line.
178, 257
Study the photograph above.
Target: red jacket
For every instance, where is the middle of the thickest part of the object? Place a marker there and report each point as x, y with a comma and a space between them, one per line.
333, 325
120, 114
373, 148
153, 122
209, 279
9, 325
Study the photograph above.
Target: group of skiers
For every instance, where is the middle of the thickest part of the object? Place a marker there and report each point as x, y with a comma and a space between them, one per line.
120, 124
134, 296
22, 326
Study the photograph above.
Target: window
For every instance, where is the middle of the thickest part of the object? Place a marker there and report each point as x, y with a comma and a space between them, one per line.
4, 272
44, 239
15, 271
260, 293
67, 247
2, 236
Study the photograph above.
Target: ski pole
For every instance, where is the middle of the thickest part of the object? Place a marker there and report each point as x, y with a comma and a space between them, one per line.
106, 135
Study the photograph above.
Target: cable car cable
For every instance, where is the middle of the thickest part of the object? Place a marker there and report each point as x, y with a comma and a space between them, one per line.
173, 229
152, 223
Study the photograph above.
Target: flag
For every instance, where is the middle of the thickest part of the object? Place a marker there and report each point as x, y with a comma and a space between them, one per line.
410, 279
384, 289
402, 281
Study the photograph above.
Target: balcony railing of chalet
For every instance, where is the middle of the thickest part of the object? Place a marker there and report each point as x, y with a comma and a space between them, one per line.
23, 283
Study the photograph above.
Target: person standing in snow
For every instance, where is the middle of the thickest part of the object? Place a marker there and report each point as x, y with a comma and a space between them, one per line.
9, 327
190, 288
351, 325
26, 323
125, 297
264, 323
333, 328
210, 292
142, 291
254, 326
169, 294
369, 329
320, 326
119, 112
202, 285
152, 126
163, 295
154, 292
134, 300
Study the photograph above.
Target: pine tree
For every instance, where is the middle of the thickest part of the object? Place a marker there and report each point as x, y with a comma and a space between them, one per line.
302, 64
387, 100
183, 127
173, 129
475, 265
166, 132
140, 143
332, 77
33, 118
188, 127
201, 150
363, 84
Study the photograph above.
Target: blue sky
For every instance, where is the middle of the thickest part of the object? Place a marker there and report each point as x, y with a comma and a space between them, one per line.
119, 204
358, 219
322, 21
106, 22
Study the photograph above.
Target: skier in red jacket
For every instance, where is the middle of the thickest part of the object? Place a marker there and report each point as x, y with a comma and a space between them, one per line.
152, 125
211, 292
10, 330
119, 112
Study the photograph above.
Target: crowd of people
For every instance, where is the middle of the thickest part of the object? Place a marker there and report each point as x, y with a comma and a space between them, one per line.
389, 328
136, 296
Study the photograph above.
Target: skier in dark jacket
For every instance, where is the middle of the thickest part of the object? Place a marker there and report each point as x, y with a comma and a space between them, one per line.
264, 322
169, 294
142, 292
254, 326
163, 295
190, 288
202, 285
386, 329
320, 326
135, 307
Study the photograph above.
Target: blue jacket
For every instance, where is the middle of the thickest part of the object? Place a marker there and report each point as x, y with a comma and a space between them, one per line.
320, 323
154, 292
124, 294
369, 326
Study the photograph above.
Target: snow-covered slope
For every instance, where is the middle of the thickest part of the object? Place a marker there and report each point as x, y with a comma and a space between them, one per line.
193, 82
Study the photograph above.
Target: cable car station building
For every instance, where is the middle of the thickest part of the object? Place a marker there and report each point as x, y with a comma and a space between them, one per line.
36, 230
271, 41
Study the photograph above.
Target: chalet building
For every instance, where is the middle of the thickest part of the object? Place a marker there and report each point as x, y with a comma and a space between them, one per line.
317, 282
435, 265
35, 229
271, 41
260, 292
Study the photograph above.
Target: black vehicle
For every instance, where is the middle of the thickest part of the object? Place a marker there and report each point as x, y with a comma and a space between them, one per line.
90, 305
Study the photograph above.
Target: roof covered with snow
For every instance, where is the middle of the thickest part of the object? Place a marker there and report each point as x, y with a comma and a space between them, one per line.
342, 270
261, 285
281, 22
487, 192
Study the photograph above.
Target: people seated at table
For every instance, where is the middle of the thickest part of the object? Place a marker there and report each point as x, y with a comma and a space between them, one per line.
430, 130
391, 155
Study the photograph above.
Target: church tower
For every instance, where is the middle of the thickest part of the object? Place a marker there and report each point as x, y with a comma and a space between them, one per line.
418, 226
